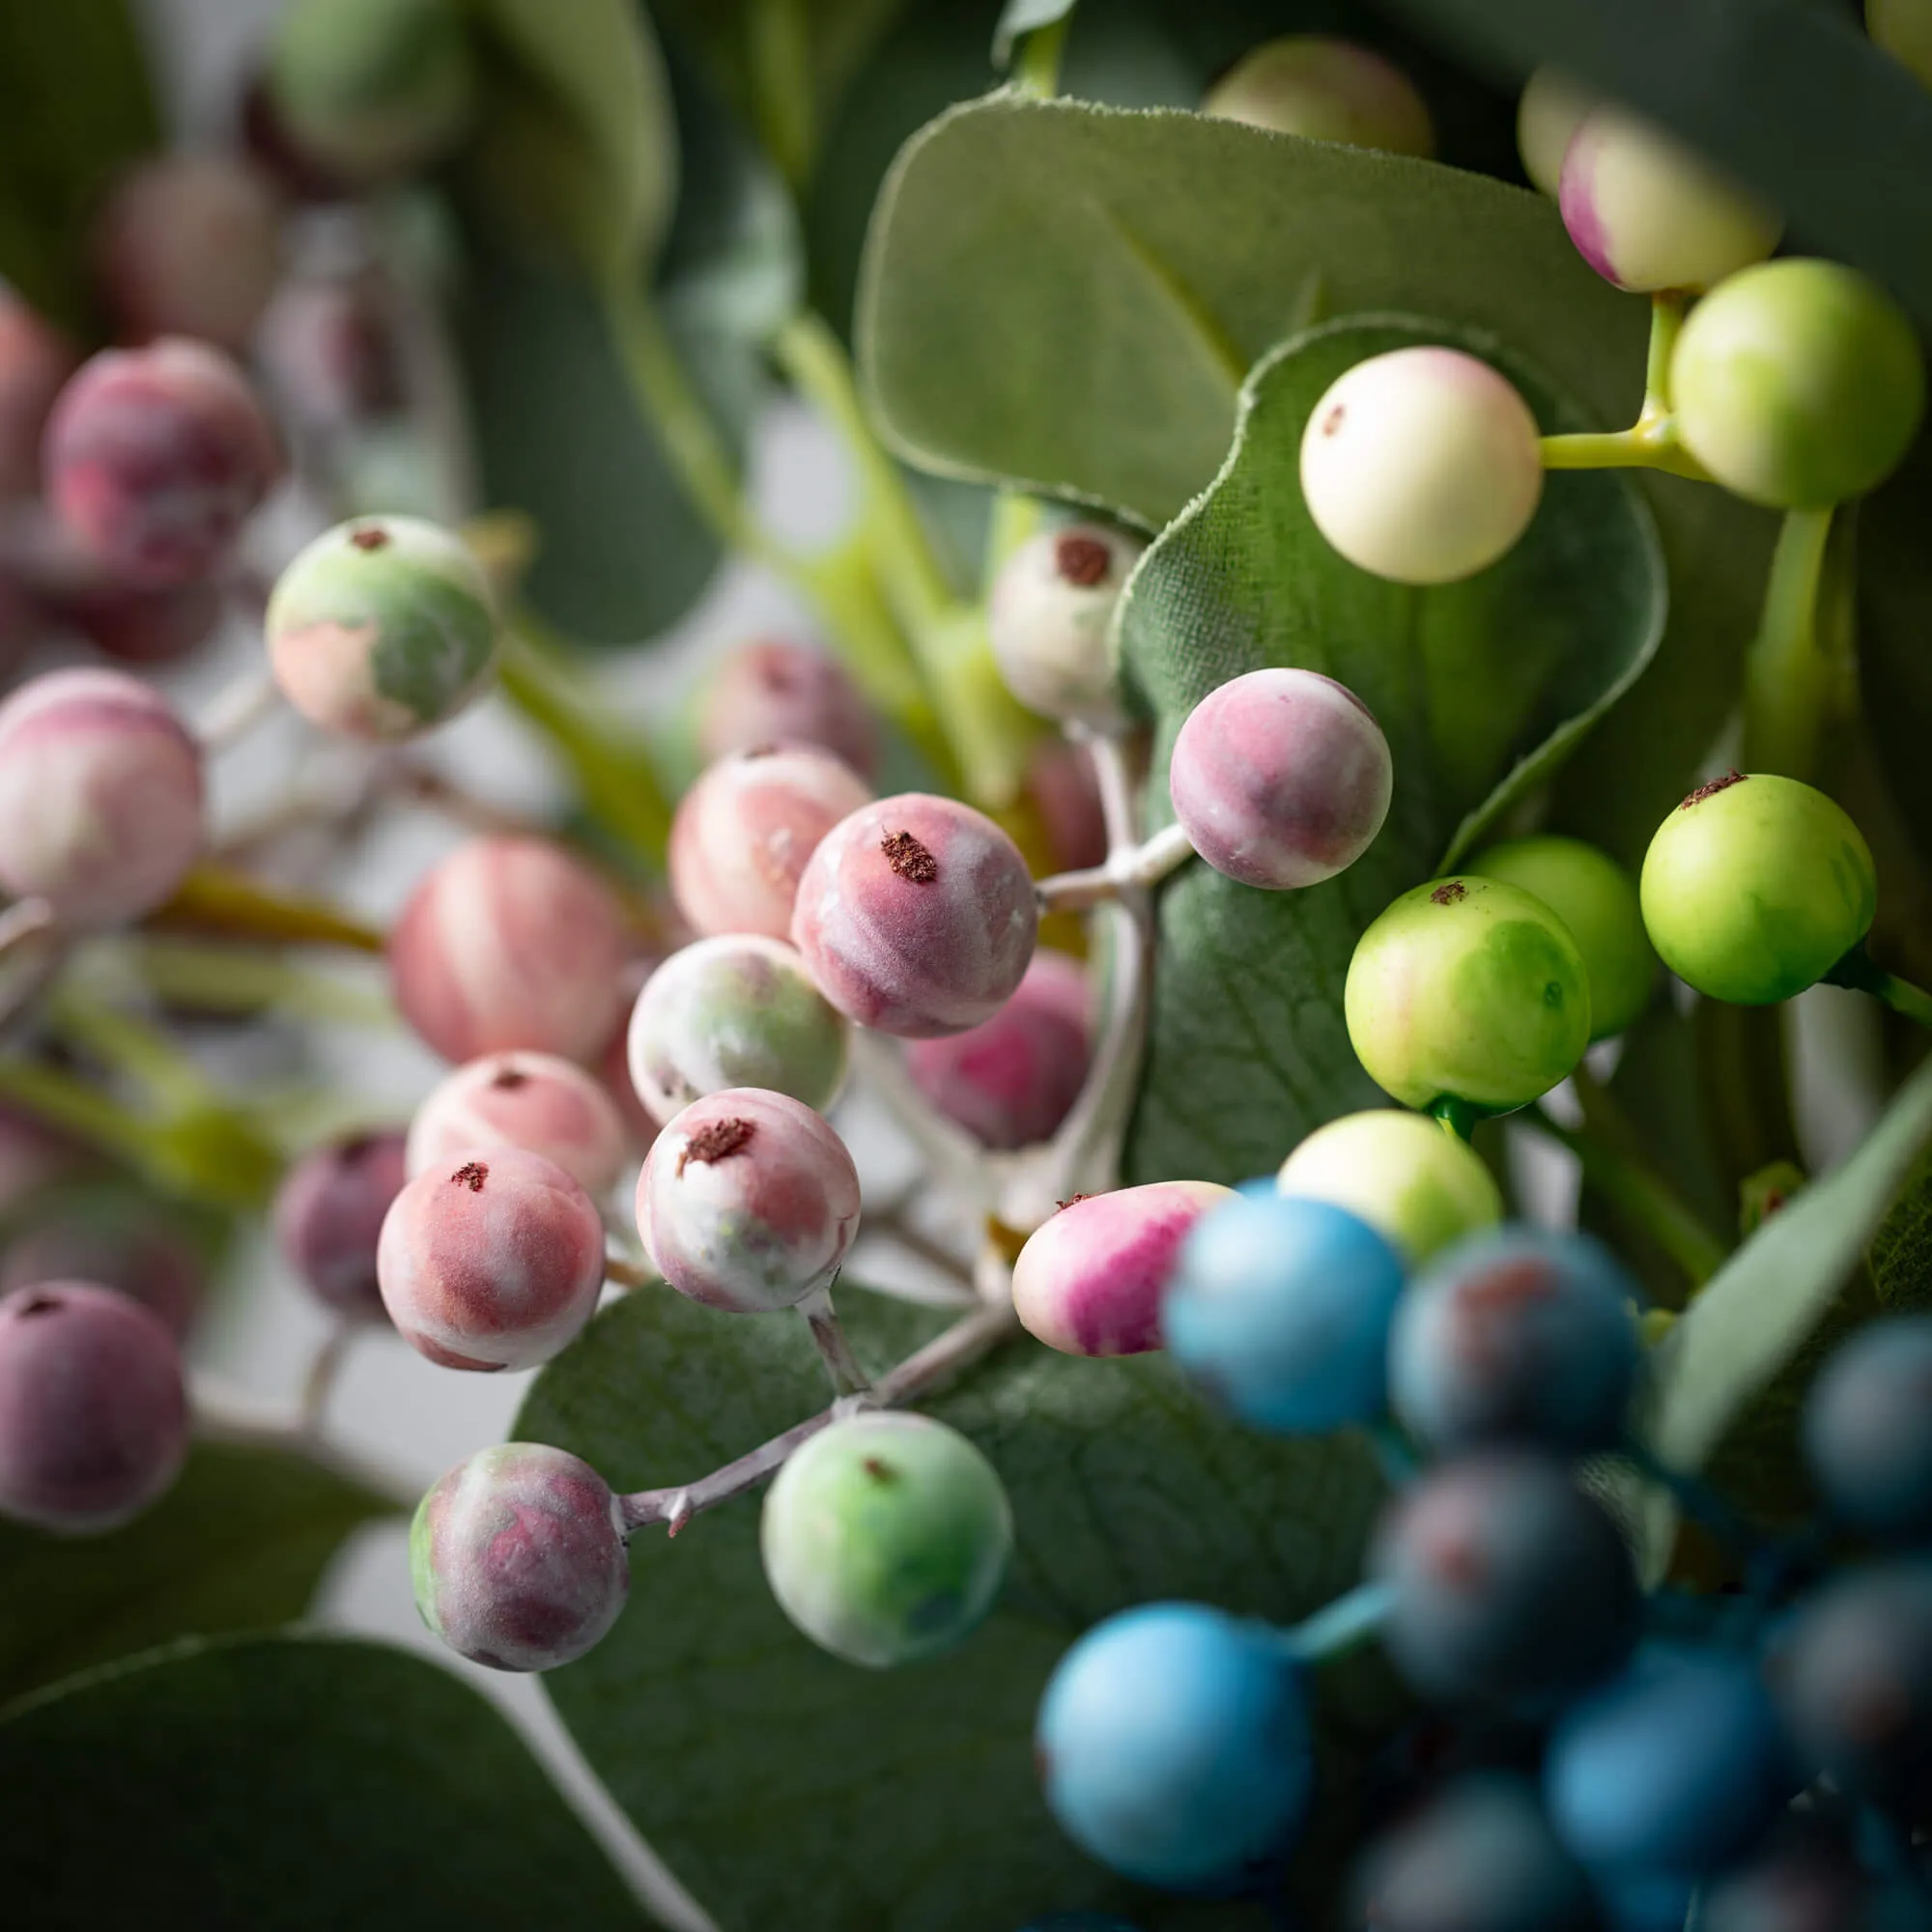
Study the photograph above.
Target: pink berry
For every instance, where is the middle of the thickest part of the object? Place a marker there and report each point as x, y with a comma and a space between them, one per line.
328, 1217
36, 360
156, 457
1281, 778
101, 796
189, 244
747, 1201
1089, 1282
916, 916
743, 832
614, 1065
133, 1252
494, 1261
1064, 793
138, 626
94, 1419
776, 691
535, 1101
1010, 1080
510, 943
331, 347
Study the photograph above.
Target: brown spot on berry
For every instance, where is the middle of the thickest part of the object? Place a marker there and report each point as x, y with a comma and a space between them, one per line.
758, 752
371, 536
1332, 421
37, 1304
880, 1472
715, 1140
1081, 561
1710, 790
472, 1174
909, 859
1072, 1200
1448, 893
355, 1151
509, 1078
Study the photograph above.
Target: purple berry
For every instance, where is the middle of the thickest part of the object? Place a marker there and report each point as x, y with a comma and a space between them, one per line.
36, 360
1281, 779
133, 1251
535, 1101
492, 1262
775, 691
135, 625
743, 832
101, 796
154, 458
1088, 1281
94, 1420
329, 1218
747, 1201
916, 916
1063, 791
1049, 616
1010, 1080
510, 943
331, 347
1868, 1430
517, 1557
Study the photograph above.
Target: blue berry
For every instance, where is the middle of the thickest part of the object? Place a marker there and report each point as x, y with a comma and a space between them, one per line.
1520, 1334
1868, 1430
1173, 1743
1508, 1582
1279, 1308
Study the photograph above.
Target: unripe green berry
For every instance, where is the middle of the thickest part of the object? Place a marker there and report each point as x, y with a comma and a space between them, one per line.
1595, 898
1798, 385
1325, 90
1402, 1174
1903, 28
1422, 466
1468, 989
1551, 109
886, 1537
1754, 888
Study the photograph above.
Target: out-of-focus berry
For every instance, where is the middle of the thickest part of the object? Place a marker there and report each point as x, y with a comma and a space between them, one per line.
535, 1101
1065, 792
1325, 90
36, 360
1048, 617
1903, 28
139, 626
1868, 1430
330, 351
328, 1217
1551, 109
778, 692
133, 1249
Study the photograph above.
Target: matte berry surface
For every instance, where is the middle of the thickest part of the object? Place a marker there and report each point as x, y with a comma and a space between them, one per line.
778, 692
136, 1250
1550, 112
329, 1218
1049, 615
1325, 90
537, 1102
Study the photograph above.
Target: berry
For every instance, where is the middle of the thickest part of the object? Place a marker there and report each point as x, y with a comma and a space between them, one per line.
886, 1538
1402, 1174
517, 1557
329, 1218
94, 1421
1063, 791
372, 89
1596, 900
133, 1250
1803, 1882
1551, 109
510, 942
613, 1067
101, 796
154, 458
332, 350
1646, 212
492, 1262
1481, 1857
36, 360
738, 1010
1508, 1582
1422, 466
535, 1101
140, 626
1798, 385
383, 628
189, 244
1754, 888
1903, 28
743, 833
1174, 1744
916, 915
1325, 90
747, 1201
1049, 618
1674, 1766
775, 691
1517, 1334
1090, 1280
1868, 1430
1279, 1310
1281, 779
1470, 990
1010, 1080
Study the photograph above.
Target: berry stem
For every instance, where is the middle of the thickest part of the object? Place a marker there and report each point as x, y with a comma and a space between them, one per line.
1345, 1625
216, 900
237, 709
835, 1349
1860, 972
1788, 676
1456, 1118
1666, 324
630, 1274
325, 1370
1036, 66
1137, 868
1645, 445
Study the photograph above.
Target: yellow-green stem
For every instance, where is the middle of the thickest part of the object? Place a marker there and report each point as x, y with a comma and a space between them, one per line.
1037, 70
1788, 677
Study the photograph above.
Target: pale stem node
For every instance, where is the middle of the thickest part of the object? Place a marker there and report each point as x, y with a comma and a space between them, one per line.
1134, 870
835, 1349
234, 711
325, 1370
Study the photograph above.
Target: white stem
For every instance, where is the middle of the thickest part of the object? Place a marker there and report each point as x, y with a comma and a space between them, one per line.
248, 701
630, 1274
955, 1159
319, 1385
835, 1351
1133, 869
1117, 793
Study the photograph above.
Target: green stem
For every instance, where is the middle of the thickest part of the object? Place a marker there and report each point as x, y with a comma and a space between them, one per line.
1456, 1118
1787, 676
1859, 971
131, 1048
1666, 323
1037, 70
1644, 446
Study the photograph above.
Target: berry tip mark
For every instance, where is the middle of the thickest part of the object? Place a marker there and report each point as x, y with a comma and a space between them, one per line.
472, 1174
716, 1140
909, 859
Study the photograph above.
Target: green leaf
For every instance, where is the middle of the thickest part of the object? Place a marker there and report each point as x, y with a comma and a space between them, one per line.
1899, 1260
786, 1788
1479, 686
293, 1782
240, 1543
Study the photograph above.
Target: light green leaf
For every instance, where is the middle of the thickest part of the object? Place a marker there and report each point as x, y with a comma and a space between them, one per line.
306, 1784
1478, 685
786, 1788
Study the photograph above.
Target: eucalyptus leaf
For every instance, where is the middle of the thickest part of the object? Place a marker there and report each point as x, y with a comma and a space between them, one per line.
1478, 685
292, 1783
786, 1788
1900, 1258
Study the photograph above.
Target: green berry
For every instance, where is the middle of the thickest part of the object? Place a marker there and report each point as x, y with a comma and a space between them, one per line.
886, 1538
1402, 1174
1595, 898
1903, 28
1325, 90
1468, 989
1798, 385
1551, 109
1754, 888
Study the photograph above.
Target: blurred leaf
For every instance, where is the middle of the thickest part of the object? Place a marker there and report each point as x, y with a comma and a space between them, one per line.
1900, 1256
791, 1790
1479, 686
215, 900
1894, 668
238, 1544
289, 1782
